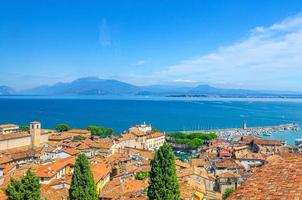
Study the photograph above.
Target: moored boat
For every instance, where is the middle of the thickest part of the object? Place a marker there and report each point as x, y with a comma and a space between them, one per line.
298, 141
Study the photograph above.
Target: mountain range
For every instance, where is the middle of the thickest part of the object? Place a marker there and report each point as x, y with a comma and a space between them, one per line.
96, 86
5, 90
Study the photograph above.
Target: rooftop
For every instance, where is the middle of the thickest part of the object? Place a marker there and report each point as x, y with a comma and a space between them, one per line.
99, 171
79, 131
13, 135
249, 139
279, 179
49, 170
4, 126
154, 135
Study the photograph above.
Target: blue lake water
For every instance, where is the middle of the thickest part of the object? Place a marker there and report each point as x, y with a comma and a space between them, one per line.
163, 113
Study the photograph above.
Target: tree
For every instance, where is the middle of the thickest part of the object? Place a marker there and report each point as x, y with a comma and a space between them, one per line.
14, 190
62, 127
100, 131
163, 180
142, 175
28, 188
82, 184
154, 130
31, 186
24, 128
227, 193
78, 137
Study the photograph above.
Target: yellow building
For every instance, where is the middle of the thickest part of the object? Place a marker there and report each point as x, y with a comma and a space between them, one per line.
101, 175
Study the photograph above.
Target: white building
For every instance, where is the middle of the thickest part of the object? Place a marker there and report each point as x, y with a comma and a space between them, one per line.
142, 137
8, 128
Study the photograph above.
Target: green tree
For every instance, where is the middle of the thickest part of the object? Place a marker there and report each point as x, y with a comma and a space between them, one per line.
26, 189
14, 190
142, 175
62, 127
25, 128
78, 137
82, 184
163, 180
227, 193
31, 186
100, 131
154, 130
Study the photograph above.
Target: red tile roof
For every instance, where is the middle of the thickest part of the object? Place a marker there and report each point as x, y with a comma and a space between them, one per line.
279, 179
154, 135
9, 136
71, 151
8, 167
50, 170
248, 139
79, 131
99, 171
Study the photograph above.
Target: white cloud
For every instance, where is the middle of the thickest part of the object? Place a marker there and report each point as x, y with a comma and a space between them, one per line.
139, 63
270, 57
183, 81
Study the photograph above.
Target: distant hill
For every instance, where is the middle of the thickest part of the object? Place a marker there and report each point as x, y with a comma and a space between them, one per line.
5, 90
96, 86
213, 91
85, 86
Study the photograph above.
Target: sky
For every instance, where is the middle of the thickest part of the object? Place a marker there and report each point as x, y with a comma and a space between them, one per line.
250, 44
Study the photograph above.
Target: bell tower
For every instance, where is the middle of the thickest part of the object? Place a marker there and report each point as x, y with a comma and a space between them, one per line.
35, 132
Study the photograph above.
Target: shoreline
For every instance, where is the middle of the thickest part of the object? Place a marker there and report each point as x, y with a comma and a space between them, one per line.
229, 133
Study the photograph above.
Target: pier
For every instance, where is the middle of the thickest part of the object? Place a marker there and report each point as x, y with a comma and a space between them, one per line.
229, 133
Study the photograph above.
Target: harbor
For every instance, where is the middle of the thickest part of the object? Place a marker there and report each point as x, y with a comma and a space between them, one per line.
261, 131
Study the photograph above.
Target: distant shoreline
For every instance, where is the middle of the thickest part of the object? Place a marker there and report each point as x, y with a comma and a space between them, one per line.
228, 96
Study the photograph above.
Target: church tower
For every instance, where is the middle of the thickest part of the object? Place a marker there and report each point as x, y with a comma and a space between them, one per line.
35, 132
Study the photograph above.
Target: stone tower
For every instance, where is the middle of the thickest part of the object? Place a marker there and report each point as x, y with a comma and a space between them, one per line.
35, 132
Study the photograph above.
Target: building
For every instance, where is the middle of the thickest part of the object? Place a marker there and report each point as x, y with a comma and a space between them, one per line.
266, 147
142, 137
101, 175
118, 189
35, 137
279, 179
55, 170
8, 128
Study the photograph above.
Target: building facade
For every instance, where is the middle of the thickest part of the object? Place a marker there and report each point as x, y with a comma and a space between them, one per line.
14, 139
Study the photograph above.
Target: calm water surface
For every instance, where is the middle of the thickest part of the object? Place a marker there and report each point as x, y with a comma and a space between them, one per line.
165, 114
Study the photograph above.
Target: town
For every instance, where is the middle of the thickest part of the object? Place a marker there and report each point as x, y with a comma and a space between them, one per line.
218, 168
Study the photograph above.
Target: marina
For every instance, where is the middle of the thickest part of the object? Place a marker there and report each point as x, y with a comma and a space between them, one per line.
261, 131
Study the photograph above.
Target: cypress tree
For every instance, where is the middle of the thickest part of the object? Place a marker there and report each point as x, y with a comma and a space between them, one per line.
163, 180
82, 184
26, 189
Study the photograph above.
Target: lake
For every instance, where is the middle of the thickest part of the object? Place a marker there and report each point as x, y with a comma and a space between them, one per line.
163, 113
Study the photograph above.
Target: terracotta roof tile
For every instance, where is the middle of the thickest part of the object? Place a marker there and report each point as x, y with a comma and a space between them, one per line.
79, 131
154, 135
116, 189
8, 167
279, 179
99, 171
71, 151
49, 170
248, 139
181, 164
14, 135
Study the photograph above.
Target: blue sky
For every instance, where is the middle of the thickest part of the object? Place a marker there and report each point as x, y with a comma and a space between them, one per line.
252, 44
